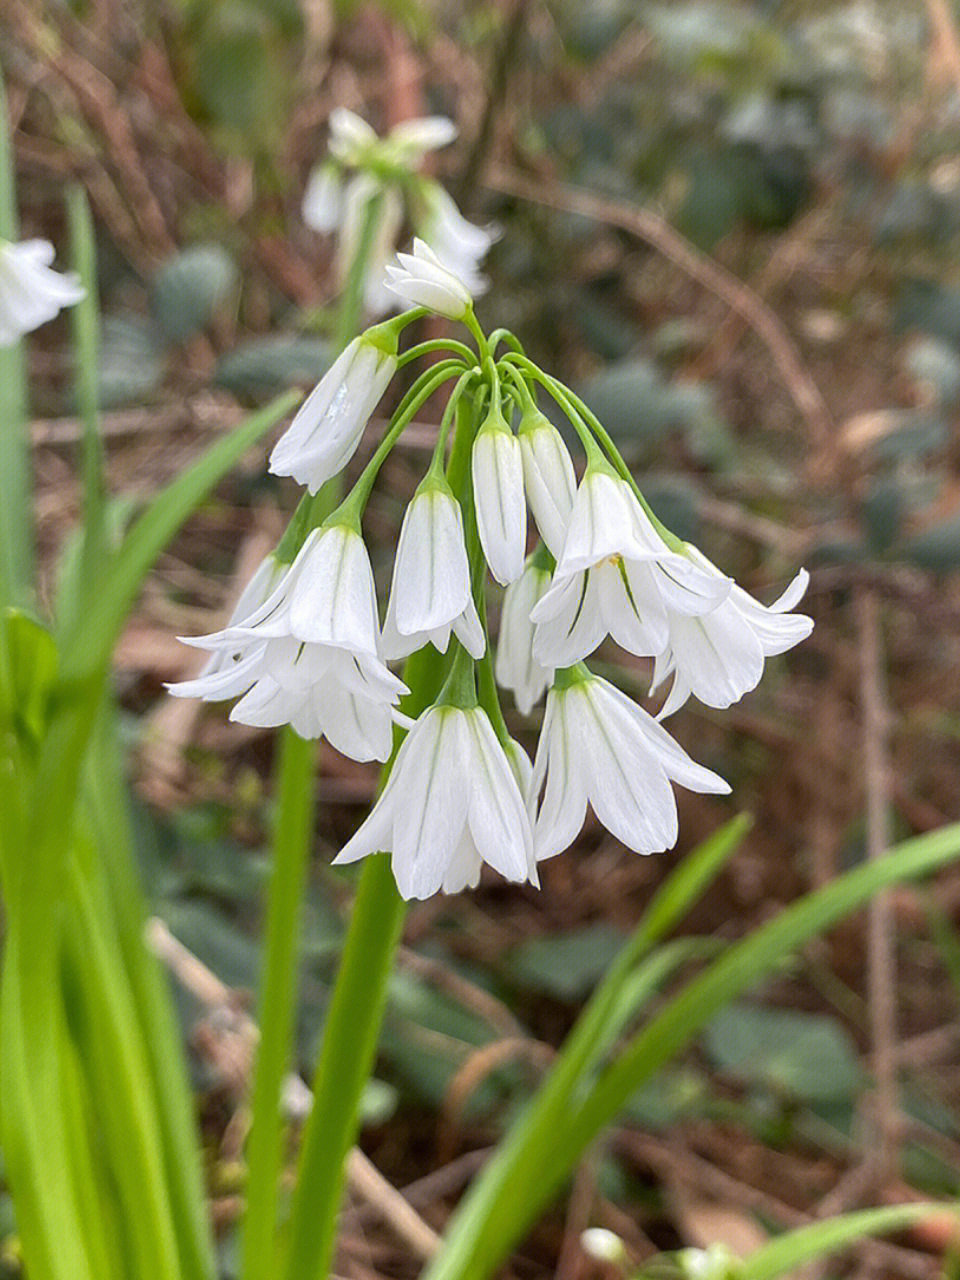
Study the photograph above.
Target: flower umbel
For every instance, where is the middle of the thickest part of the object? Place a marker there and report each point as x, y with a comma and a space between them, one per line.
304, 644
31, 292
452, 802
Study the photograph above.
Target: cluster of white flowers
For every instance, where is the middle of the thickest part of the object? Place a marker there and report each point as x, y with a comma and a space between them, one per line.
305, 646
362, 168
31, 292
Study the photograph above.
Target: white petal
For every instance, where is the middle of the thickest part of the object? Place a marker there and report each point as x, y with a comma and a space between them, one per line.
427, 133
617, 709
719, 657
433, 812
496, 815
356, 727
516, 668
602, 523
334, 599
469, 632
793, 594
421, 280
629, 790
576, 628
497, 469
374, 835
564, 804
549, 477
621, 615
350, 135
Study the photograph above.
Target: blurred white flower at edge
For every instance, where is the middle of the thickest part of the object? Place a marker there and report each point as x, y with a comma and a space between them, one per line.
362, 167
31, 292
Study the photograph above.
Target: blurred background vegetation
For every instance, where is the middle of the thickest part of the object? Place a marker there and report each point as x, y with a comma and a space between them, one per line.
732, 227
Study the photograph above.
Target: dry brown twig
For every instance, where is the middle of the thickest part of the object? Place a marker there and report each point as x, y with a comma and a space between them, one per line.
474, 1070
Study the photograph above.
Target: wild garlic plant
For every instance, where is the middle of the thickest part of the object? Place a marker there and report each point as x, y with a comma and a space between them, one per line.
305, 647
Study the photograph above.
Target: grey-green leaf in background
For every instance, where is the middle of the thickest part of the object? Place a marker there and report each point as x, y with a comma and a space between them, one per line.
805, 1055
264, 366
188, 288
133, 357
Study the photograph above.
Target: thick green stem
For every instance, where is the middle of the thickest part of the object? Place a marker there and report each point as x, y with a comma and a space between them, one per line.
86, 342
351, 1033
16, 489
277, 1003
346, 1059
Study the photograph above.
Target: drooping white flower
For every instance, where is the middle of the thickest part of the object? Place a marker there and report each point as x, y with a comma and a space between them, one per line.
327, 427
616, 576
516, 668
31, 292
497, 469
599, 747
430, 592
421, 280
460, 245
323, 199
451, 803
719, 656
550, 480
309, 653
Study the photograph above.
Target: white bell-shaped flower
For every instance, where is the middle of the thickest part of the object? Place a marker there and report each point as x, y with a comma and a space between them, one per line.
430, 593
421, 280
308, 654
616, 576
460, 245
322, 207
452, 802
598, 747
31, 292
516, 667
497, 469
720, 656
325, 432
549, 476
